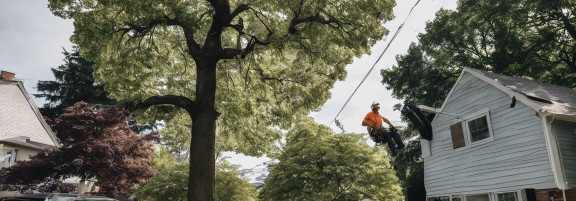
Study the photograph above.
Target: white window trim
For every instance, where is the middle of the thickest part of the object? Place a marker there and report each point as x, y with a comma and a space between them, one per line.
466, 130
493, 196
490, 196
518, 194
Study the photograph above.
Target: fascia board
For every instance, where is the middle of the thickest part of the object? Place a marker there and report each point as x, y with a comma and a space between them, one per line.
38, 114
448, 96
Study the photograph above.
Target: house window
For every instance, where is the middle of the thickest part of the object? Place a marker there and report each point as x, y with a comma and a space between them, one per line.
457, 198
480, 197
478, 129
8, 158
510, 196
475, 128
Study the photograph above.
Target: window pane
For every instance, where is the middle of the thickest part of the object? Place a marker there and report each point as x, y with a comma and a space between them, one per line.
456, 198
478, 129
483, 197
508, 196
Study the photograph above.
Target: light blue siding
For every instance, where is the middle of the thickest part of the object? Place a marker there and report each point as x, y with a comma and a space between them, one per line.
517, 157
566, 134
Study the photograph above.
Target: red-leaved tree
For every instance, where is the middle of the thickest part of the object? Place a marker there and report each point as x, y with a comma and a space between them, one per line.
97, 143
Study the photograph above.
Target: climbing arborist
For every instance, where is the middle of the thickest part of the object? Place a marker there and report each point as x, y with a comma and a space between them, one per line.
379, 133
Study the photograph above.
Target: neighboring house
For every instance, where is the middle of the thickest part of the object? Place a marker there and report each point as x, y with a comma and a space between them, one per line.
502, 138
23, 131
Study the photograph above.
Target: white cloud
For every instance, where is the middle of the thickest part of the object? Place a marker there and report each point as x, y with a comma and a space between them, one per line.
31, 40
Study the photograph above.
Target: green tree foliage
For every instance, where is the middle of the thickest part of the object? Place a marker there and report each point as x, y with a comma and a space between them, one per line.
74, 83
249, 67
512, 37
96, 143
318, 165
172, 178
410, 170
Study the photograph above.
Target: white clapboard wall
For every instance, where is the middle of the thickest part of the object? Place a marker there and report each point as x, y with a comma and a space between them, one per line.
514, 160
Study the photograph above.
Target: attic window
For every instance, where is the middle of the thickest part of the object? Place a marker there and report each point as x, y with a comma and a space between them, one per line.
478, 129
474, 129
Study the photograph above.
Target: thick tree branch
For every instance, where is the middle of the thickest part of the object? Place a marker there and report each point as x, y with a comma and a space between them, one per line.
230, 53
178, 101
316, 18
194, 48
145, 28
220, 19
238, 10
567, 25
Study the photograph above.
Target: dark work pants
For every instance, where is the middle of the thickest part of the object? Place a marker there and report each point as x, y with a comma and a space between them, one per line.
392, 138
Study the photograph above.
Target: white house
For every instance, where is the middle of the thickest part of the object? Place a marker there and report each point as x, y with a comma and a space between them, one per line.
23, 131
502, 138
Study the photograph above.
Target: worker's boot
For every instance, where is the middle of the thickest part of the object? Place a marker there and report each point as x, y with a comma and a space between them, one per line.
393, 152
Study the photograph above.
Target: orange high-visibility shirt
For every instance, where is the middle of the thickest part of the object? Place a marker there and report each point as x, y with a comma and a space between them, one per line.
374, 120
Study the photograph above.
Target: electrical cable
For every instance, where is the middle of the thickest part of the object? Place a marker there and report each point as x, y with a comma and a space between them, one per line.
372, 68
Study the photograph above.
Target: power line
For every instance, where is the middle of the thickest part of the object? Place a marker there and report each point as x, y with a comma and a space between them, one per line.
380, 57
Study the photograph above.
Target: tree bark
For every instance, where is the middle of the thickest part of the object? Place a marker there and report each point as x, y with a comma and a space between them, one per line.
202, 145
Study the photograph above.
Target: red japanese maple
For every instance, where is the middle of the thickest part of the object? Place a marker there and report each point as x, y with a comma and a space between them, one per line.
97, 143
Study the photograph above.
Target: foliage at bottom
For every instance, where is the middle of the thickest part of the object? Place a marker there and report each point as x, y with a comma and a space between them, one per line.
318, 165
171, 182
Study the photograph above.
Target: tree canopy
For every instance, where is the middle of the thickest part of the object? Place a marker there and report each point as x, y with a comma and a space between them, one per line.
520, 38
74, 83
96, 144
316, 164
248, 67
289, 54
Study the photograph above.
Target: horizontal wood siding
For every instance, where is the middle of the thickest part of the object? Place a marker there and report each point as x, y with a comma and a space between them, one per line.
566, 133
515, 159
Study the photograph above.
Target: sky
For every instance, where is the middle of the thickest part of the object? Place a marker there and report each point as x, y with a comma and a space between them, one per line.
32, 40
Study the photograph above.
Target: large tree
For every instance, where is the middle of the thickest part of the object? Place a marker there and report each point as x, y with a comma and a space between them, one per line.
512, 37
316, 164
258, 64
96, 144
74, 83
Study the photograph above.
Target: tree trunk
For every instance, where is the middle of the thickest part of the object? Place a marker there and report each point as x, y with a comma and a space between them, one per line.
81, 187
202, 156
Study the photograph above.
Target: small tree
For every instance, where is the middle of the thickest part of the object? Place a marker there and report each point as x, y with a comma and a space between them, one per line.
170, 183
97, 143
74, 83
318, 165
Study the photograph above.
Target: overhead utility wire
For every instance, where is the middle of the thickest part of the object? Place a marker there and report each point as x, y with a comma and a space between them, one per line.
372, 68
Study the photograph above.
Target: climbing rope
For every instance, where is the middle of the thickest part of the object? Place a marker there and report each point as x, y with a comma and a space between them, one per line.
379, 57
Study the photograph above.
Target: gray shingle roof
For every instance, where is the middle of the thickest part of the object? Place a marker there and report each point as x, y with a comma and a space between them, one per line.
547, 97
